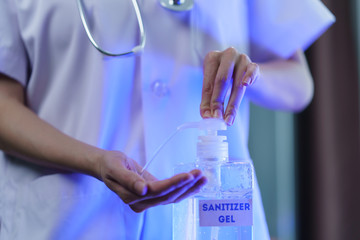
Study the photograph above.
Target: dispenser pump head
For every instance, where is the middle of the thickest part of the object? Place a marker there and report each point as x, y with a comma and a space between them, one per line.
210, 146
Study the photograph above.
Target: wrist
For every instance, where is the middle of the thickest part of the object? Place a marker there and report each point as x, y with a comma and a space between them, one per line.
94, 160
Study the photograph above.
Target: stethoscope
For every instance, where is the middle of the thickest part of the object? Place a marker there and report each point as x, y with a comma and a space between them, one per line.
174, 5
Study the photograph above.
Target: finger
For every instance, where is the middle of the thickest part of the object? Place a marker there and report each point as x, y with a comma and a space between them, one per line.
164, 197
169, 189
126, 196
146, 175
132, 199
193, 190
211, 64
163, 187
170, 196
237, 89
222, 80
237, 94
181, 192
251, 74
196, 173
149, 177
127, 178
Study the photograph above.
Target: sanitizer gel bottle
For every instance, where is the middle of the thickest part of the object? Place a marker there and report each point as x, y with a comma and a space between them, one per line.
223, 209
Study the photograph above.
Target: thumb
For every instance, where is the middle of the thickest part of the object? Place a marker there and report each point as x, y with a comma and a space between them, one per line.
140, 187
129, 179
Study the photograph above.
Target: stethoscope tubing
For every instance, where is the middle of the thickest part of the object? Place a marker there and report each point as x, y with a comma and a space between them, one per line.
133, 51
174, 6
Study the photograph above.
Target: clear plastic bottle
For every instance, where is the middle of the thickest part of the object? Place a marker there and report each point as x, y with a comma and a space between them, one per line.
223, 208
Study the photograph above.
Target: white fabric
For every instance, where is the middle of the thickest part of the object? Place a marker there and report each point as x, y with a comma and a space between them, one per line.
297, 23
110, 102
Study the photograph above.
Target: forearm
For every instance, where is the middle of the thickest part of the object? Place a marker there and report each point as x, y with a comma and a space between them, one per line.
22, 133
283, 85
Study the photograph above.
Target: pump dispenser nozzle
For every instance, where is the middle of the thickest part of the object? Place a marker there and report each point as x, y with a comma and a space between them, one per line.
210, 145
208, 124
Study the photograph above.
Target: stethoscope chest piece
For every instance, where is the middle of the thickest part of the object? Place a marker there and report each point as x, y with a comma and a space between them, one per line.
177, 5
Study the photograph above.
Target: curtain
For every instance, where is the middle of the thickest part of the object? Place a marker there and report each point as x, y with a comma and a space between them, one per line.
328, 136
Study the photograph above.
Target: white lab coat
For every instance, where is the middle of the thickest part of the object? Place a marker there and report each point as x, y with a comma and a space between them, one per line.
129, 104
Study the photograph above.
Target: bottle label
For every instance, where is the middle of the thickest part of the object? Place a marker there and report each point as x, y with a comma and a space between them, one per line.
226, 212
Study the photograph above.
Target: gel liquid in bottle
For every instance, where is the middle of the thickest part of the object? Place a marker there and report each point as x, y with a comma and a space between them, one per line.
223, 209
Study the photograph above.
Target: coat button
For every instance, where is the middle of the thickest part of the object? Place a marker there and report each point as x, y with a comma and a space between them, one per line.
160, 88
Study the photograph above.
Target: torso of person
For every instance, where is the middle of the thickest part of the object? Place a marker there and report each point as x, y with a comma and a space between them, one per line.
131, 104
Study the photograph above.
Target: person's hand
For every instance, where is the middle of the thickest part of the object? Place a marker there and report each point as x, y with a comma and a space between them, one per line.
220, 70
121, 175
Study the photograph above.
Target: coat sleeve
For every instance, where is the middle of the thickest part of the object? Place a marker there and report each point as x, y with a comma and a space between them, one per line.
283, 26
13, 57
